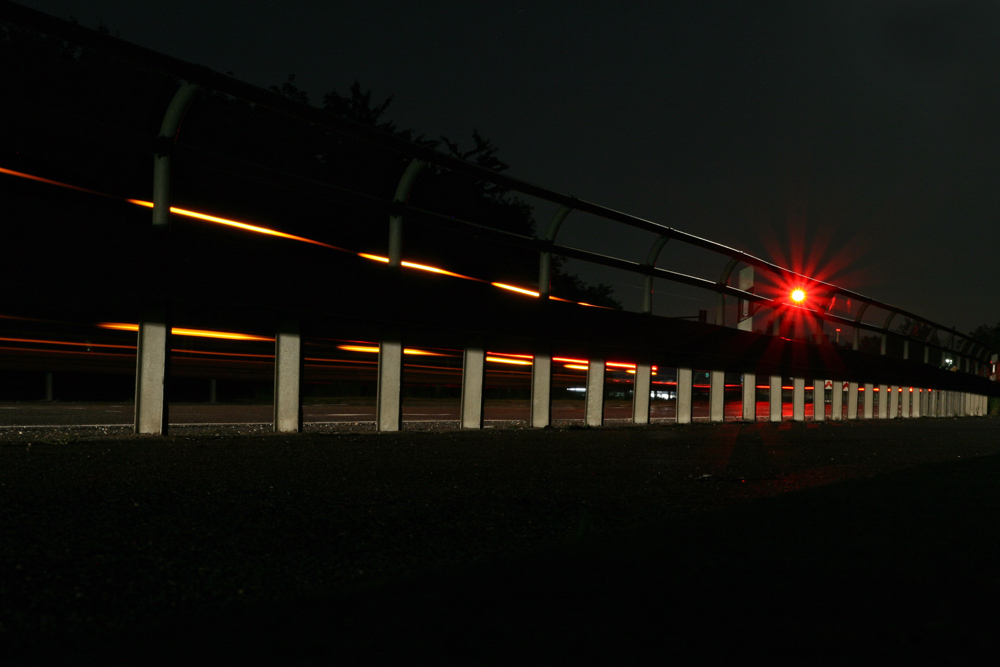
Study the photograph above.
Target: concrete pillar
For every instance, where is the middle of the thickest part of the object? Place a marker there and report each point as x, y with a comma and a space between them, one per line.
641, 393
151, 373
852, 400
819, 400
883, 401
896, 394
685, 378
541, 390
799, 399
389, 393
288, 379
869, 400
717, 396
750, 397
774, 398
473, 380
837, 401
594, 415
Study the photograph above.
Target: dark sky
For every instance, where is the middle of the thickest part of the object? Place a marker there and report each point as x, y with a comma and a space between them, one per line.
857, 140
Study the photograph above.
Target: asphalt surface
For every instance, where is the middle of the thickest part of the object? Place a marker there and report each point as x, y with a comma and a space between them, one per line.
805, 543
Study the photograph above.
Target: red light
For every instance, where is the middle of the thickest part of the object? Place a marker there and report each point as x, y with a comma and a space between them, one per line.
798, 295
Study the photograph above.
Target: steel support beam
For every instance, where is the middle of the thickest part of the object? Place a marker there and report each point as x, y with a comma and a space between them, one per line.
541, 390
594, 415
641, 392
473, 381
774, 398
389, 394
852, 400
837, 401
288, 379
750, 397
685, 380
151, 373
799, 399
819, 400
717, 396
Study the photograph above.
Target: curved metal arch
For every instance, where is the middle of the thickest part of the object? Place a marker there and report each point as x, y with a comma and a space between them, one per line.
545, 255
651, 258
403, 189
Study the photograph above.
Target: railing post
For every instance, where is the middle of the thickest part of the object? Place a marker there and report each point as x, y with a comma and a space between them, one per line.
852, 400
883, 401
799, 399
893, 401
774, 398
594, 415
541, 390
288, 378
749, 396
641, 390
473, 381
545, 256
403, 188
153, 352
869, 400
837, 401
744, 319
685, 380
717, 396
819, 400
388, 401
153, 343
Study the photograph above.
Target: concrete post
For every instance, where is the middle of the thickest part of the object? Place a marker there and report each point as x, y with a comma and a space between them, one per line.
151, 373
717, 396
389, 393
883, 401
541, 390
473, 380
852, 400
869, 400
819, 400
288, 379
641, 390
774, 398
685, 379
893, 401
799, 399
594, 415
837, 401
750, 397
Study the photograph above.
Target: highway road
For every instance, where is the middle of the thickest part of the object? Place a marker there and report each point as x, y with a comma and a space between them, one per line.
41, 414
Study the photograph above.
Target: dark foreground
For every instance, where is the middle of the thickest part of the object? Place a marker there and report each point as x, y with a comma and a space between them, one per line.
784, 542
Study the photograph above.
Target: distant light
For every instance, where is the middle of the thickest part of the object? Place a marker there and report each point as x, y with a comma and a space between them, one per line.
798, 295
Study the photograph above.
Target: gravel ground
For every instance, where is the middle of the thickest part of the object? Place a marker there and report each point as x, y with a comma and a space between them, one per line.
790, 542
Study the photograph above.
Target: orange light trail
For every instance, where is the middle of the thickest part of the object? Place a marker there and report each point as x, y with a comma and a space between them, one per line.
515, 362
273, 232
234, 223
519, 290
64, 342
577, 367
374, 350
177, 331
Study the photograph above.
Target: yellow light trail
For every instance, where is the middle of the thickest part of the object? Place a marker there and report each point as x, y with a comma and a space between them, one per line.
515, 362
273, 232
374, 350
178, 331
577, 367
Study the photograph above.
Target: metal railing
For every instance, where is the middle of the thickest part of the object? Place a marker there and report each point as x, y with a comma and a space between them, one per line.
972, 357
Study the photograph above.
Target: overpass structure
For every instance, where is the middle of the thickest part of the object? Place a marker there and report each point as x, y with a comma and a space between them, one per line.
334, 244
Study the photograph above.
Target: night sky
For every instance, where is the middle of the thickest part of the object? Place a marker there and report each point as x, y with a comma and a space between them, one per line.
853, 140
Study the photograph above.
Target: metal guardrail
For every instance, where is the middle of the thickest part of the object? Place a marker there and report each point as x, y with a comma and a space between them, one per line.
973, 356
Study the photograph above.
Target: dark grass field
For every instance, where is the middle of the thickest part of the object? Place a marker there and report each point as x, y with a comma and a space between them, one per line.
799, 543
